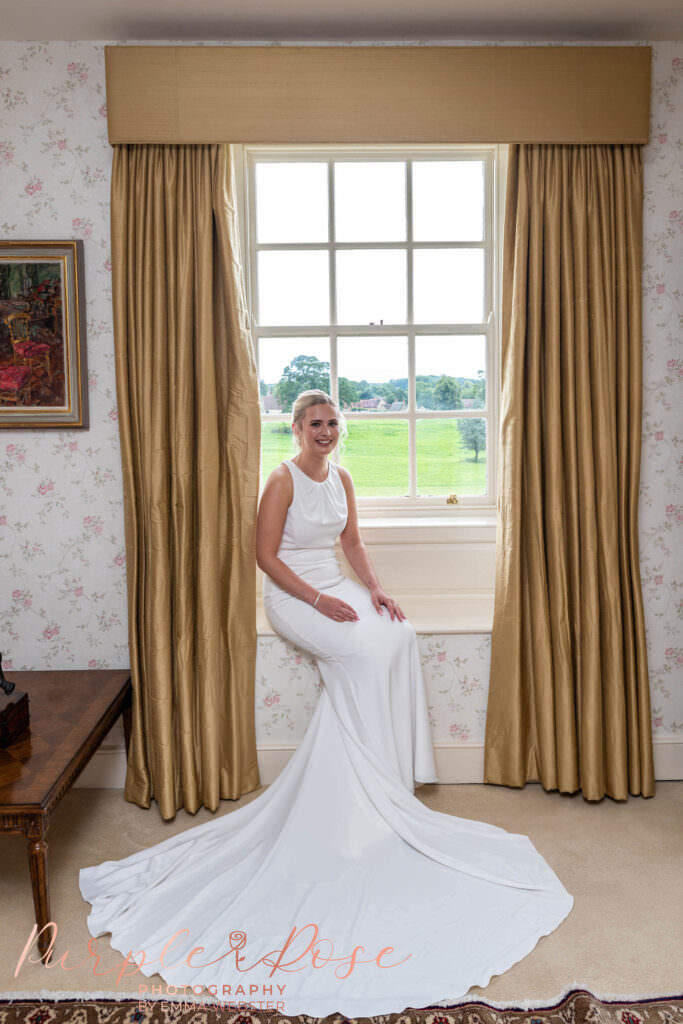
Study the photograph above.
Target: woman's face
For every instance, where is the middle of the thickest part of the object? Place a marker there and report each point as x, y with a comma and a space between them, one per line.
318, 430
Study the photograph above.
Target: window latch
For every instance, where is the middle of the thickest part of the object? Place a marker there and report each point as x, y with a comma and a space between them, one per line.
452, 499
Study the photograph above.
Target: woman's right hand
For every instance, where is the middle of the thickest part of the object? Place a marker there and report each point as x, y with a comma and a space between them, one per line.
336, 609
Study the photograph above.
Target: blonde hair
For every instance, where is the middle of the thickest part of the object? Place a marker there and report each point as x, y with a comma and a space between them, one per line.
315, 396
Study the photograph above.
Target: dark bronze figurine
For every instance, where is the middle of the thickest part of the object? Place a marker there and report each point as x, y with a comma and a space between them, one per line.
6, 685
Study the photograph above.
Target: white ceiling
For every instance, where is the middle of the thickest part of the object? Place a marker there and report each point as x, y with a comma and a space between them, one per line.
331, 21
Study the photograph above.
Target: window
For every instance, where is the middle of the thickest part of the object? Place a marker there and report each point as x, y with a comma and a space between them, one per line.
372, 275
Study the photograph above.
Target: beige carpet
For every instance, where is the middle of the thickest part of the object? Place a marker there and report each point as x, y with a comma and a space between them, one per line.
623, 863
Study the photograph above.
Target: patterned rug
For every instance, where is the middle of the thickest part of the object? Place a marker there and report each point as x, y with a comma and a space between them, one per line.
577, 1006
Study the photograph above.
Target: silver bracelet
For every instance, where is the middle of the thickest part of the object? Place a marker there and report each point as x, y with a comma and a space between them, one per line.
316, 600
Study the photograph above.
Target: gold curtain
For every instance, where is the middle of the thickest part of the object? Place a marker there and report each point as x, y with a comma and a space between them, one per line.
190, 433
569, 699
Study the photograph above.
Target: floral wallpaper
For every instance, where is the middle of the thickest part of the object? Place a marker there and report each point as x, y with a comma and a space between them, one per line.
62, 555
456, 670
661, 485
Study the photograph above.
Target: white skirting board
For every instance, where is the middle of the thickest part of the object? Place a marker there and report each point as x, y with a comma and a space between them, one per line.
455, 763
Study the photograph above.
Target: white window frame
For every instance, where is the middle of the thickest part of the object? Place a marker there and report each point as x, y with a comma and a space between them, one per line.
429, 512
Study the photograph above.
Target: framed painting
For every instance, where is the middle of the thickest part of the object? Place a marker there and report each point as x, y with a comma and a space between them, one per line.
43, 372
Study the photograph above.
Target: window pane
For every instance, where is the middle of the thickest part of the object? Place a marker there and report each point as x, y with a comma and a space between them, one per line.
376, 456
293, 288
449, 286
371, 286
291, 202
288, 366
370, 202
373, 373
448, 201
451, 456
450, 372
277, 443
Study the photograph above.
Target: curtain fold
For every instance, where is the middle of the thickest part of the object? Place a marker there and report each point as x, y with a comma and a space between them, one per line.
569, 698
189, 425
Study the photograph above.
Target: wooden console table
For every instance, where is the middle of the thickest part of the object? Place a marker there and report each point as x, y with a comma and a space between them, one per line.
71, 713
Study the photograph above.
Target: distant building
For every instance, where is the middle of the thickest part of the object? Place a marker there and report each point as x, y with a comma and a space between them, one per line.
363, 404
270, 403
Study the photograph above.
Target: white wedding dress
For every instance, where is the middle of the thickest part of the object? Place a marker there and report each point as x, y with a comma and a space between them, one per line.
338, 850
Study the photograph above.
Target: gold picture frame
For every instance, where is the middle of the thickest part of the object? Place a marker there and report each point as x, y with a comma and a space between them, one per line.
43, 372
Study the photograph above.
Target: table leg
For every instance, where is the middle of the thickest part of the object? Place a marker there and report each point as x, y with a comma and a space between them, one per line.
127, 714
37, 862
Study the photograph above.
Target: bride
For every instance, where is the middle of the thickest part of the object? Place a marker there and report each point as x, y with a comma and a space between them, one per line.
336, 890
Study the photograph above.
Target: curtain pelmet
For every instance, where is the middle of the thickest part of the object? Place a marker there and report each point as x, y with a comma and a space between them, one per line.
569, 699
190, 434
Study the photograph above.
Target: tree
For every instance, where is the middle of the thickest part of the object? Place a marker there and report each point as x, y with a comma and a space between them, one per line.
480, 390
400, 395
473, 433
447, 394
304, 373
348, 391
263, 388
391, 392
424, 393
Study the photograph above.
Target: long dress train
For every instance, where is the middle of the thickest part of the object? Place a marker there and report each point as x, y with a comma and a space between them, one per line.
335, 890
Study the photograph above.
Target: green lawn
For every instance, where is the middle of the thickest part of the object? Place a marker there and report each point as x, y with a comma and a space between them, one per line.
376, 455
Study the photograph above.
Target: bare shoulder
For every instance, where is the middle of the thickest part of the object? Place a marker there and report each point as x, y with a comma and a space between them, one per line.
347, 482
346, 477
276, 498
279, 485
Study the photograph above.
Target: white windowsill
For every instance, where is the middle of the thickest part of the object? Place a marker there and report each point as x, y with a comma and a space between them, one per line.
426, 529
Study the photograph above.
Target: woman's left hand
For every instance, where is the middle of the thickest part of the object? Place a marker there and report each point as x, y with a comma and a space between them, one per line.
379, 598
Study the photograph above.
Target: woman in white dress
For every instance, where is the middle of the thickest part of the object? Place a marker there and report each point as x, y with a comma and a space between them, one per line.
336, 890
365, 648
